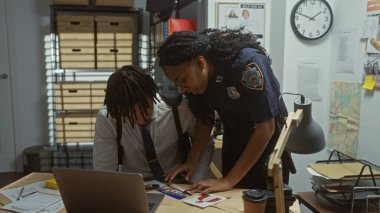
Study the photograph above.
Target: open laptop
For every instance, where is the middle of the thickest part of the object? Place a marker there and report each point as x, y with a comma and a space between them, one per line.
101, 191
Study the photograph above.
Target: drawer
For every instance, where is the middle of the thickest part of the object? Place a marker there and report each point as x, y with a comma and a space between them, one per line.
76, 36
76, 43
97, 99
72, 2
77, 65
107, 50
73, 100
74, 134
111, 57
99, 85
111, 43
75, 57
75, 24
118, 50
74, 126
96, 106
114, 24
122, 3
118, 36
124, 43
72, 139
77, 50
73, 106
124, 57
72, 89
113, 65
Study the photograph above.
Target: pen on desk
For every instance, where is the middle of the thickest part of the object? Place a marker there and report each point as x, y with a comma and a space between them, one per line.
26, 195
19, 195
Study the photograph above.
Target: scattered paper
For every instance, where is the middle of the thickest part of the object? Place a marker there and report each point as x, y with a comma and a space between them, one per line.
13, 194
204, 200
33, 203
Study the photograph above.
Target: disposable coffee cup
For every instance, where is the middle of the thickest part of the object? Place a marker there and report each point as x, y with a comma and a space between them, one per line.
254, 201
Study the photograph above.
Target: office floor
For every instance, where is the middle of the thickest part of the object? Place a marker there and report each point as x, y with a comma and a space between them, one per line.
7, 178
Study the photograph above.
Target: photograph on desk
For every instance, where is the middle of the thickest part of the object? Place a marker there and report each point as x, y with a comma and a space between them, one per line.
346, 182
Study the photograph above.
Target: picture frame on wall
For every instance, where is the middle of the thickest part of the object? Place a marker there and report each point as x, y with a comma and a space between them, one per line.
249, 16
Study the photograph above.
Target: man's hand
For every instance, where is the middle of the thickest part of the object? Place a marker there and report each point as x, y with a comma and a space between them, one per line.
211, 185
186, 167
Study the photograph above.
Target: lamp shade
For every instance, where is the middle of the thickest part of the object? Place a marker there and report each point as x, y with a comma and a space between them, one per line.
308, 137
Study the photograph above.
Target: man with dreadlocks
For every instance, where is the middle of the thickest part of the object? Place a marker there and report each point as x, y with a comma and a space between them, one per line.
131, 96
229, 72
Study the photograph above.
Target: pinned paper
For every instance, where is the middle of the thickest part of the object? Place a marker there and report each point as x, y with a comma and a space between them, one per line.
369, 82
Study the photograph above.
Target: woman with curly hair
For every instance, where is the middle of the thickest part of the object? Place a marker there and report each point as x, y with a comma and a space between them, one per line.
229, 72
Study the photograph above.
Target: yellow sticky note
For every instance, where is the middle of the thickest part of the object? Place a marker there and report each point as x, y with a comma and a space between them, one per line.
51, 184
369, 82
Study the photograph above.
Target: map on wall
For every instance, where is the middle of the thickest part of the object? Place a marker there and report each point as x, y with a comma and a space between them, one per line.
344, 117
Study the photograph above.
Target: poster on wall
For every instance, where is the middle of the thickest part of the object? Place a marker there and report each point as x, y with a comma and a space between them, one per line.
373, 7
248, 16
344, 117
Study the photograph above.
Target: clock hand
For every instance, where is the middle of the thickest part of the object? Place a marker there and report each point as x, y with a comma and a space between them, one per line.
305, 15
312, 18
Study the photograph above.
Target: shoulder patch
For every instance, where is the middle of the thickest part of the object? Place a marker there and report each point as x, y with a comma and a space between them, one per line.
252, 77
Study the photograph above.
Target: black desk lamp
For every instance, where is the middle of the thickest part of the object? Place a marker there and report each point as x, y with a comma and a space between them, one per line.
301, 134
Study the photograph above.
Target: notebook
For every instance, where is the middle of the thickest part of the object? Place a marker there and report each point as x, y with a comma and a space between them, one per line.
104, 191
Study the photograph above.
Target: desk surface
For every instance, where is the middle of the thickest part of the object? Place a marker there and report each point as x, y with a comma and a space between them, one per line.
317, 203
169, 204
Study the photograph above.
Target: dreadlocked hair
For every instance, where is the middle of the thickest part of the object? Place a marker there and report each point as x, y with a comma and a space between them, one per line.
219, 46
127, 87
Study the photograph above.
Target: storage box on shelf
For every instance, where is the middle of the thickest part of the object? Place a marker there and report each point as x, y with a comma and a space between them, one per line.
122, 3
76, 41
75, 127
71, 2
113, 3
114, 41
90, 40
79, 95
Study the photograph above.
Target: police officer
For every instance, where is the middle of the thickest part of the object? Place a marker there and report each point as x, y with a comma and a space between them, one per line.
227, 71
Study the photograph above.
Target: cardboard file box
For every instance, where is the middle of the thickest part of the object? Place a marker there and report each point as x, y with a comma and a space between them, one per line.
115, 3
75, 127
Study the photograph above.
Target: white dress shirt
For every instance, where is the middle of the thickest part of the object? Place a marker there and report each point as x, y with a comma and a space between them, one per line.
165, 138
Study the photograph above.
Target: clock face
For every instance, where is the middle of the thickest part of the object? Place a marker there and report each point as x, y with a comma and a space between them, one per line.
311, 19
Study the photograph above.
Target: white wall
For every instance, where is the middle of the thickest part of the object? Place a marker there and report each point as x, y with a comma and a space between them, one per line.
325, 51
28, 22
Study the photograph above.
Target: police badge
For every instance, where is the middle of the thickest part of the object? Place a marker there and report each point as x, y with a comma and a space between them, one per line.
233, 93
252, 77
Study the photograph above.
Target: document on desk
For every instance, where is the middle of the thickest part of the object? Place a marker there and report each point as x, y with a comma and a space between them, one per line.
38, 202
204, 200
338, 171
13, 194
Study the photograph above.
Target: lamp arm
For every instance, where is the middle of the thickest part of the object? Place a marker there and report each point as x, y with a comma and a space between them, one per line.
274, 164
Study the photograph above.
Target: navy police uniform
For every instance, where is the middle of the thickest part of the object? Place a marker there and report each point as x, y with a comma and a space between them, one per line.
244, 94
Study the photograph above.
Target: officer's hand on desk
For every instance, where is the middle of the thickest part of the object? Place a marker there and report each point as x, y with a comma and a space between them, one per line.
211, 185
187, 167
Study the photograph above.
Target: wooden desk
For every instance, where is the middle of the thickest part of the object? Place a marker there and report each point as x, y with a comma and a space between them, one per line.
169, 204
317, 203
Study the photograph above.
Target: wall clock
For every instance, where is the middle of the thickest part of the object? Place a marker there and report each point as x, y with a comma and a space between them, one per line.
311, 19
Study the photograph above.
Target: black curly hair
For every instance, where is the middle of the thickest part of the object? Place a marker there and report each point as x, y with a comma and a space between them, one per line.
219, 46
127, 87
